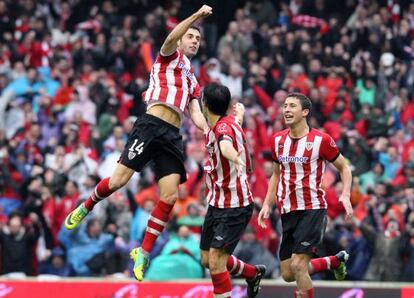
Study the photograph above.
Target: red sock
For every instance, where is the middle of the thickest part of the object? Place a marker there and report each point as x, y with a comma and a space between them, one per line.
239, 268
309, 293
323, 264
156, 223
222, 284
101, 192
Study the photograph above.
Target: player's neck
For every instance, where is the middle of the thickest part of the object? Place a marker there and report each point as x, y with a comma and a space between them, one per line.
299, 130
212, 119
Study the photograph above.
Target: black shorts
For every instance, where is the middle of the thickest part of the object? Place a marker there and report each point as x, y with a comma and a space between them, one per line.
223, 227
303, 230
153, 139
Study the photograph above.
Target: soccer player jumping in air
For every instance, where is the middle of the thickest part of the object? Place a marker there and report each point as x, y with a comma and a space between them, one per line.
155, 137
300, 154
228, 193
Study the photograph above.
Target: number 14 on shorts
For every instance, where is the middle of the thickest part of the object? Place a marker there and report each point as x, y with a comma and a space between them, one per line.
135, 149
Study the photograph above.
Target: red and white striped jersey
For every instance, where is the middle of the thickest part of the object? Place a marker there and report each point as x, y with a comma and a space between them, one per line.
172, 82
302, 164
225, 189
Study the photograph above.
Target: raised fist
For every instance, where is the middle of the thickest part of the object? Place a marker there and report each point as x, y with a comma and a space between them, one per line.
204, 11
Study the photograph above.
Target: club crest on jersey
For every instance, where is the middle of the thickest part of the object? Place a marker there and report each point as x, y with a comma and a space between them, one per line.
309, 145
222, 127
131, 155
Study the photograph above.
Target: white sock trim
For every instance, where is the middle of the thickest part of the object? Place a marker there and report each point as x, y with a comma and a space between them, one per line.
241, 268
328, 262
234, 264
223, 295
153, 231
157, 221
97, 197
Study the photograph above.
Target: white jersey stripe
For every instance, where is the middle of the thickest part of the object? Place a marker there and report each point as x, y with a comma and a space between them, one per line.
280, 185
300, 174
172, 89
286, 199
157, 82
186, 88
314, 169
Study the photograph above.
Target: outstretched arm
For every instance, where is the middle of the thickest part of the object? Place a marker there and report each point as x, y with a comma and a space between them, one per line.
170, 43
346, 177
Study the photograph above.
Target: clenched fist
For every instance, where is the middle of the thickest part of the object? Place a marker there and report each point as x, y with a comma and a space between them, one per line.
204, 11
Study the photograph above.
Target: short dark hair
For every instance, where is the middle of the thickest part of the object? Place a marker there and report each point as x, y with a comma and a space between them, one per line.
305, 102
195, 28
217, 98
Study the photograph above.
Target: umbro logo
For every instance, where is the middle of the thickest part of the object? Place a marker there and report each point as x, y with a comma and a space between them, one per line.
219, 238
304, 243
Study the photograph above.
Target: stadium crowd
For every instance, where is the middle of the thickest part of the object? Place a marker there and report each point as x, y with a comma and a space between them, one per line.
71, 78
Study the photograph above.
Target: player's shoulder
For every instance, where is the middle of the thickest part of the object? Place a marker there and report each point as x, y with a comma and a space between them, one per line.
320, 133
280, 133
225, 123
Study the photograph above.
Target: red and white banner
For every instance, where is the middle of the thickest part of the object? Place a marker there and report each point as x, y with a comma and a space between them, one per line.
130, 289
109, 289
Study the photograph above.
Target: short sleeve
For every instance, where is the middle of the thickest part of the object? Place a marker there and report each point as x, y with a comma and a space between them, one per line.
224, 131
196, 92
329, 151
167, 59
273, 148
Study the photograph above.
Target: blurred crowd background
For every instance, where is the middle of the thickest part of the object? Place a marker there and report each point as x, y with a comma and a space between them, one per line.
71, 77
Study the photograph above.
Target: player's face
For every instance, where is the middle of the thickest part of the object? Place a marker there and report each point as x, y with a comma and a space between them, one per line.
190, 42
292, 111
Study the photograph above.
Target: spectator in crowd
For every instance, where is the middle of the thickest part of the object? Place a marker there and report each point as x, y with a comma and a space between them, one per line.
17, 241
57, 264
407, 250
86, 247
181, 251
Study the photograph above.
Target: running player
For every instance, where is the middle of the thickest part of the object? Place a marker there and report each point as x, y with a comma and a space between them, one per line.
300, 154
228, 194
172, 89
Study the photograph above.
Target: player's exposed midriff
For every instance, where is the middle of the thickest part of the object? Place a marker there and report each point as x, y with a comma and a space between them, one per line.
165, 113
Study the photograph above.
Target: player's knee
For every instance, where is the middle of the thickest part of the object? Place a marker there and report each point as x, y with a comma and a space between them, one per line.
215, 267
170, 197
288, 276
298, 267
218, 261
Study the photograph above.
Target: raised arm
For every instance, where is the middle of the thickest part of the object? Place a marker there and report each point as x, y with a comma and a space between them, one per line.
238, 112
170, 43
346, 177
270, 199
197, 116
